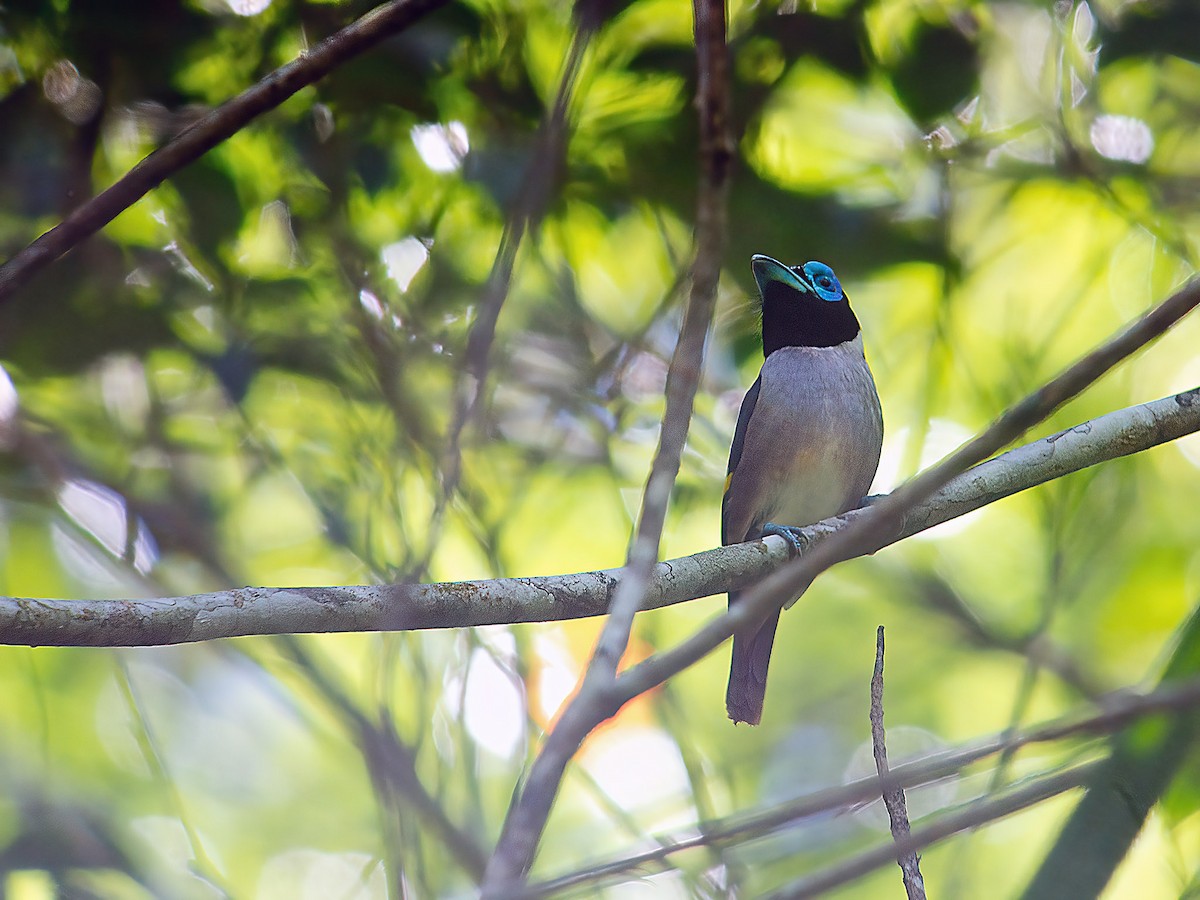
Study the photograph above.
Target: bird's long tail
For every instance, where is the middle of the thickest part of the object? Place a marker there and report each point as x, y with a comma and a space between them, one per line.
748, 670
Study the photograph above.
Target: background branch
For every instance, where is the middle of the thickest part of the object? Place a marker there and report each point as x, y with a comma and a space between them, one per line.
1119, 710
538, 183
219, 125
1143, 762
974, 815
390, 762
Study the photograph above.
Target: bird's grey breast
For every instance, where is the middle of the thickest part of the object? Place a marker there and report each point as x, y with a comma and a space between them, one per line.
816, 432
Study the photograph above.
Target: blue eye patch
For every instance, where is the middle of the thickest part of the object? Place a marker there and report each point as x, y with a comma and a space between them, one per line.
822, 280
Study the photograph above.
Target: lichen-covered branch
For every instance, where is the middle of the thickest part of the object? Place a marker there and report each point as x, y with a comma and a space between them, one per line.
247, 611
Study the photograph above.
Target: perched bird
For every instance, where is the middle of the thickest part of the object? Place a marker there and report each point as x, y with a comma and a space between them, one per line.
807, 441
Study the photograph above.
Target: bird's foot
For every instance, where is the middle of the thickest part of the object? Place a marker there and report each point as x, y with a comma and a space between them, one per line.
871, 500
790, 533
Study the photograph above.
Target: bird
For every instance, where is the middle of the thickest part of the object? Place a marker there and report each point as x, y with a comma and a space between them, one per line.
807, 442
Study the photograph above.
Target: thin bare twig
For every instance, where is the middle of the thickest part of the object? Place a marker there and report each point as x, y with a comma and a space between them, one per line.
971, 817
1119, 710
893, 797
933, 592
217, 126
402, 607
530, 809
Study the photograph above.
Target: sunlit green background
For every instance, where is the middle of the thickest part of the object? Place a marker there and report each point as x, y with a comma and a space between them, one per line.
249, 376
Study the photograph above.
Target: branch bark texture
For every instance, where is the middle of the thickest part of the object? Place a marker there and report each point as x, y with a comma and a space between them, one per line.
404, 607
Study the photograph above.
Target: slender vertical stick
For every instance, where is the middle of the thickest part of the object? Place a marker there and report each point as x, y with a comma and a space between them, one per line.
893, 797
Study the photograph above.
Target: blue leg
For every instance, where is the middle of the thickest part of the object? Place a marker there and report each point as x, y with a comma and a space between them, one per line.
789, 533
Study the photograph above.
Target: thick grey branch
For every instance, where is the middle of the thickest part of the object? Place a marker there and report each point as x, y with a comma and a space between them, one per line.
246, 611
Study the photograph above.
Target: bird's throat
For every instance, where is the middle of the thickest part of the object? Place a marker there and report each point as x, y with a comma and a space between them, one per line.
793, 319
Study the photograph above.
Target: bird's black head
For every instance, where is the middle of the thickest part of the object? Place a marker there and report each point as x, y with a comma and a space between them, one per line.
803, 306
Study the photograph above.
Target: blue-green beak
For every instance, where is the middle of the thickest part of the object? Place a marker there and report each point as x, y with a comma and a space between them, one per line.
766, 270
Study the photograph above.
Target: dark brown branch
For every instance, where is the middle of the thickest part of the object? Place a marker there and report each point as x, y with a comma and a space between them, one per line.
217, 126
893, 797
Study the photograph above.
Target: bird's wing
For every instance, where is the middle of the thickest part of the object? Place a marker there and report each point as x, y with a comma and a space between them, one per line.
735, 456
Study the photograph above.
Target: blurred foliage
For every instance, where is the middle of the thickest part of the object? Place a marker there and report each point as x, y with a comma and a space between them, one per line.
249, 376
